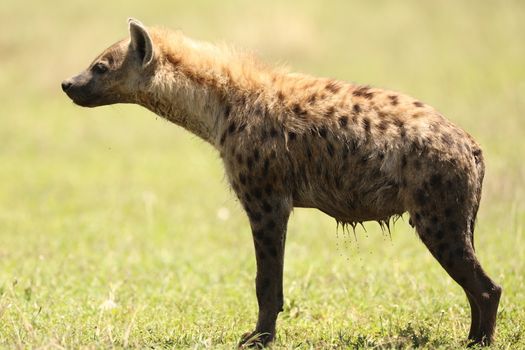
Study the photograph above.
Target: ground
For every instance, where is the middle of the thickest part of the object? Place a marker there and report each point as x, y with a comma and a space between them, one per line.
118, 229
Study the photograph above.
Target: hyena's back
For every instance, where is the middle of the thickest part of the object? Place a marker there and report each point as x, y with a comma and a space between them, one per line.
360, 154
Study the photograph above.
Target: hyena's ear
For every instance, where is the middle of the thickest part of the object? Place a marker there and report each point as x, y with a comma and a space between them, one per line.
141, 41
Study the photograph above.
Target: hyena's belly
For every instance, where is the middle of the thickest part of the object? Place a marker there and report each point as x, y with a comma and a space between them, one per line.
362, 193
351, 209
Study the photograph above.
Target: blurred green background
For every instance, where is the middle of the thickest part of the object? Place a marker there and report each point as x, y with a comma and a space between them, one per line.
117, 229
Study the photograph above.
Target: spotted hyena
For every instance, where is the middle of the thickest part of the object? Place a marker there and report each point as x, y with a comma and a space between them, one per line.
291, 140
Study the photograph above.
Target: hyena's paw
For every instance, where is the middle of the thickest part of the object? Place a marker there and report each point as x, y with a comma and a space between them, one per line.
255, 339
478, 342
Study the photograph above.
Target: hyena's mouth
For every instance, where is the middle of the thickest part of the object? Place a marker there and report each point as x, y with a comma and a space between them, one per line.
84, 101
82, 98
80, 94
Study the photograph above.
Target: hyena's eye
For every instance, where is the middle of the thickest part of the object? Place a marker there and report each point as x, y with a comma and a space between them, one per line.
100, 68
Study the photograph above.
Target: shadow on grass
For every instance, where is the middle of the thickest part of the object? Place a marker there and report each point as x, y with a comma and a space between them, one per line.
409, 336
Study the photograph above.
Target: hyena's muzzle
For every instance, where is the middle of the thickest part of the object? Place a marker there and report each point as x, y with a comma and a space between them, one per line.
81, 89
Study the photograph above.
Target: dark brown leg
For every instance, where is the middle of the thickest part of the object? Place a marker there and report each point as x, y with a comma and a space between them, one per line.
450, 244
475, 325
268, 220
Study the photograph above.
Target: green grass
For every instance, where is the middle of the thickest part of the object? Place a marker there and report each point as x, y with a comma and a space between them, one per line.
109, 229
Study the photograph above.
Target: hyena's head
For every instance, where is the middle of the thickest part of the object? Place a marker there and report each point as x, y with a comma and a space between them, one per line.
118, 74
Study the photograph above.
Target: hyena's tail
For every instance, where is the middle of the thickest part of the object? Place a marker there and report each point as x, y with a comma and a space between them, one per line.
480, 169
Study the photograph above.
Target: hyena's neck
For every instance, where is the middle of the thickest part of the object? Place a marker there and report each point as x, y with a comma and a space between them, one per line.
198, 95
191, 108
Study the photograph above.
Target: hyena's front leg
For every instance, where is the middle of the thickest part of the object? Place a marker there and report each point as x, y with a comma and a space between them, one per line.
268, 219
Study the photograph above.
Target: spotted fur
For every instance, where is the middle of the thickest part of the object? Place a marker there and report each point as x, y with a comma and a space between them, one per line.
288, 140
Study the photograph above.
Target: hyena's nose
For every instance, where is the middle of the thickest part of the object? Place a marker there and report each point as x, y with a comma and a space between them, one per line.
66, 84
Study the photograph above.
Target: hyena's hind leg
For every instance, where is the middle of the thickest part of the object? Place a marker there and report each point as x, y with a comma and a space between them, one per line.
446, 231
475, 322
